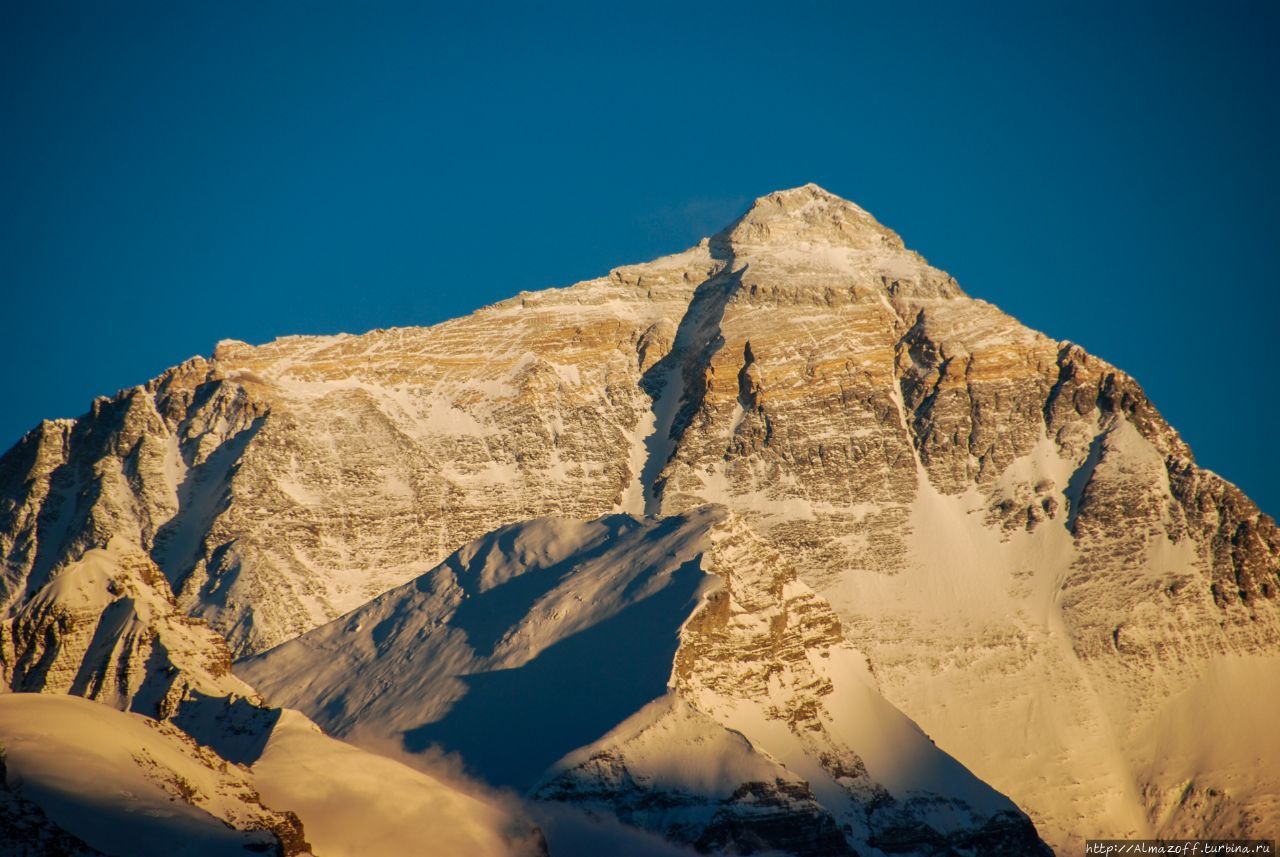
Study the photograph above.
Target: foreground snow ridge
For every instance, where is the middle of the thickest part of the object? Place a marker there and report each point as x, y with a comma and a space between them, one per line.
82, 779
687, 558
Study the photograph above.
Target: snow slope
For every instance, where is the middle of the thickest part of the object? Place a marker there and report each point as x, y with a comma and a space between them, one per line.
358, 804
533, 612
125, 784
1210, 741
81, 775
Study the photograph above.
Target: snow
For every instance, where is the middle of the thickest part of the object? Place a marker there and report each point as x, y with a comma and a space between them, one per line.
678, 747
115, 780
960, 583
533, 612
898, 755
85, 585
540, 611
354, 803
973, 639
125, 784
897, 752
717, 487
1217, 735
819, 259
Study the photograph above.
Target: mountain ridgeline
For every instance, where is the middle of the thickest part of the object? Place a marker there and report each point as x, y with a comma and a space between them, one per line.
782, 542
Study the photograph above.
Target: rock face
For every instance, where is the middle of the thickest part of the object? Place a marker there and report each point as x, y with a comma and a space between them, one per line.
1038, 572
107, 628
735, 716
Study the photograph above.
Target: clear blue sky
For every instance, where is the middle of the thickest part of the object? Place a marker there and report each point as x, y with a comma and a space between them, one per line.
176, 173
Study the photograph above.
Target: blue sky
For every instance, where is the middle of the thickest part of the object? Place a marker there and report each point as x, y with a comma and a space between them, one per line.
175, 174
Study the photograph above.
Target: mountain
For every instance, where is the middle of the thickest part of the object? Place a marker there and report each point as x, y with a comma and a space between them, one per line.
1034, 567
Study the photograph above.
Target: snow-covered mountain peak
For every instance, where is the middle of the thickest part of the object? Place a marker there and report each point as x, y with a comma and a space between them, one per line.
807, 216
1025, 551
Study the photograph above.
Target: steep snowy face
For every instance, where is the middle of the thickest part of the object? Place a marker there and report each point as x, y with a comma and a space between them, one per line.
723, 707
578, 621
1027, 553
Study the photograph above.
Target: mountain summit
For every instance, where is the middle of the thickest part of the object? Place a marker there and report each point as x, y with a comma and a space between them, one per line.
1001, 526
812, 215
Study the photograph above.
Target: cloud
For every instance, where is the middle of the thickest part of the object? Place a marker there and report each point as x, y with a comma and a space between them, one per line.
523, 835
